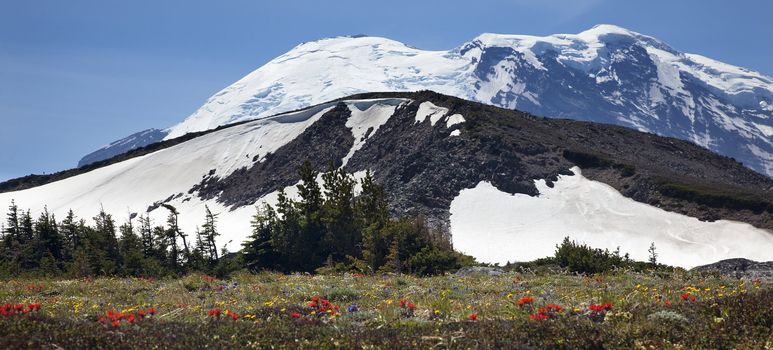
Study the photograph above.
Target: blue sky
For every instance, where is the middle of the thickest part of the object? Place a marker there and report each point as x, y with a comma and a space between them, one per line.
75, 75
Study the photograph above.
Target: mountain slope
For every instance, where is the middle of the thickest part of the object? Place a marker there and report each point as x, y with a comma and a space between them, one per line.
131, 142
606, 74
436, 154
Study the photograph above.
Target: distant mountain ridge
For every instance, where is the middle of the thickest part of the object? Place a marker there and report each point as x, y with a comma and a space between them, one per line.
606, 74
131, 142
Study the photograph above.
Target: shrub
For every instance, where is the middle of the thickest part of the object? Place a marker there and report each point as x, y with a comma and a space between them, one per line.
584, 259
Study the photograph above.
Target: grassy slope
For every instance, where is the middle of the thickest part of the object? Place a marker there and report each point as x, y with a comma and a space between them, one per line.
726, 314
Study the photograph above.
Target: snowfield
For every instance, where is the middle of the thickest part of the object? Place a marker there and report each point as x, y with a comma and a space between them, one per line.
131, 186
497, 227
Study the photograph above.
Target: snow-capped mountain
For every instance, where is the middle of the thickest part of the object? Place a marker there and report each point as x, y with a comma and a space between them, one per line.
606, 74
133, 141
508, 185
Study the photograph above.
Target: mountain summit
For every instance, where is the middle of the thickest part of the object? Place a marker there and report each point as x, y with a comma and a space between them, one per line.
606, 74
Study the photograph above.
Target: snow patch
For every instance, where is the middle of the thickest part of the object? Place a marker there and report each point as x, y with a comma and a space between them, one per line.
454, 119
498, 227
368, 115
428, 109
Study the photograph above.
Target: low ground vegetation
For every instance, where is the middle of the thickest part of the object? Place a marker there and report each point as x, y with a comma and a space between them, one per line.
620, 309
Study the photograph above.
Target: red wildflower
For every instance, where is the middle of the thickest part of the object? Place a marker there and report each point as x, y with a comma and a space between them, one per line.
116, 323
214, 312
295, 315
685, 296
538, 317
472, 317
34, 306
412, 306
554, 307
525, 300
599, 307
152, 311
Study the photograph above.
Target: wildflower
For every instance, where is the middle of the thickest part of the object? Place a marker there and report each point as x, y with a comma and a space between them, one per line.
353, 308
538, 317
525, 300
214, 312
152, 311
295, 315
116, 323
600, 307
472, 317
553, 307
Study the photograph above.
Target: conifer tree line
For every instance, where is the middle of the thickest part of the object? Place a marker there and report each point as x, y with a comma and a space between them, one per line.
328, 228
70, 247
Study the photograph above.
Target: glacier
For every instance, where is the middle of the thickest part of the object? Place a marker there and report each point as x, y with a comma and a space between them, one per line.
606, 74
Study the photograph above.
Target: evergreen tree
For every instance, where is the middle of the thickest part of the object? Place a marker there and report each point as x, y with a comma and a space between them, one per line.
48, 243
146, 236
12, 223
173, 231
258, 249
105, 239
308, 248
209, 233
69, 233
28, 257
653, 254
372, 213
131, 251
343, 234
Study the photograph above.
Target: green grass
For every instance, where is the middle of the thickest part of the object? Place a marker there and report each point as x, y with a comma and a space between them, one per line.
727, 313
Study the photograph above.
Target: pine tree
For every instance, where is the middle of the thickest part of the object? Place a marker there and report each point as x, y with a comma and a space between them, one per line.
343, 234
146, 236
173, 231
69, 233
371, 209
12, 223
258, 249
309, 250
48, 242
105, 234
131, 251
653, 254
28, 257
209, 233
